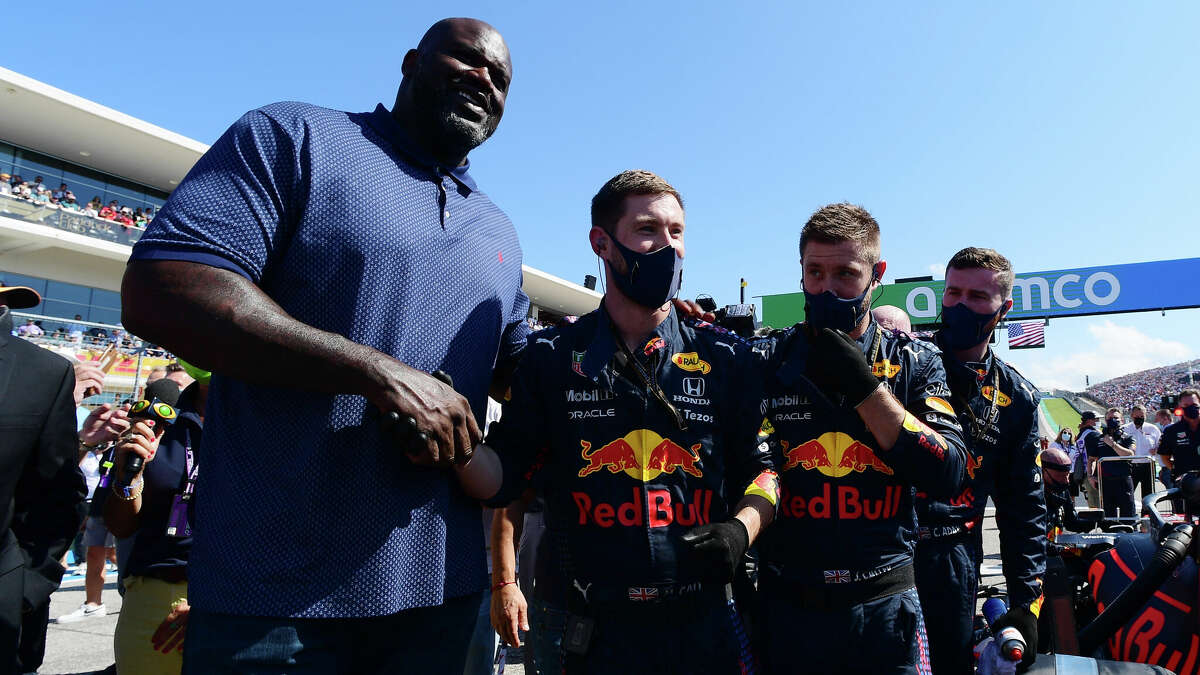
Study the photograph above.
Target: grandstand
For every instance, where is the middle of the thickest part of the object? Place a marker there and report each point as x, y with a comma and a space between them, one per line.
76, 260
1145, 387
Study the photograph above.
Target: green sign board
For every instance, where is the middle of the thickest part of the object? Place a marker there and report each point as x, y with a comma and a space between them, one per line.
785, 309
1111, 289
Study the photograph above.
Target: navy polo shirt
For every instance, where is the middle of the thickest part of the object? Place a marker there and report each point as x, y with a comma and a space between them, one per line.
304, 509
154, 551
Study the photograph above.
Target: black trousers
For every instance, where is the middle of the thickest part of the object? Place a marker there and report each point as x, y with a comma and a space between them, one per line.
946, 583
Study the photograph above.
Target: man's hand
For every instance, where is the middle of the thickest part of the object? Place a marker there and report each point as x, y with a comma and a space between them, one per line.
718, 547
1023, 620
104, 424
437, 411
89, 380
836, 364
509, 613
172, 630
690, 309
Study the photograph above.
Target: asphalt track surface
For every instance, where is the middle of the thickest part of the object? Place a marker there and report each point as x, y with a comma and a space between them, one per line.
86, 647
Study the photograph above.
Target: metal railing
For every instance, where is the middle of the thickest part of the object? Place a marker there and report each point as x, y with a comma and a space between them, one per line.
70, 221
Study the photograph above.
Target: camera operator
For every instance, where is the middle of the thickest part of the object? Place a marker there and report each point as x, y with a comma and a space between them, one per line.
1180, 444
1117, 486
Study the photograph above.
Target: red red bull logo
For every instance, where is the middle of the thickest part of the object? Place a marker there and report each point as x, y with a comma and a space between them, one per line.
660, 511
834, 454
848, 503
641, 454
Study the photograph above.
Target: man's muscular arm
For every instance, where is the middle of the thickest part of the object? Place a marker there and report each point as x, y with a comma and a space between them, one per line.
223, 322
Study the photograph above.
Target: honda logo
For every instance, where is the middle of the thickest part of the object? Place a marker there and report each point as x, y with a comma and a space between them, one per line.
693, 386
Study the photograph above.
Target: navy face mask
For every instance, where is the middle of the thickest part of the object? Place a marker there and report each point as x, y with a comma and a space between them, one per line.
651, 279
1191, 411
963, 328
826, 310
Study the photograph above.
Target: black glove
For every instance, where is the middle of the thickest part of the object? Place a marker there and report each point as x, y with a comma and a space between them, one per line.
1023, 620
718, 548
837, 365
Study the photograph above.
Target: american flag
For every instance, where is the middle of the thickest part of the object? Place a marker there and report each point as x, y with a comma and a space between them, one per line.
1026, 335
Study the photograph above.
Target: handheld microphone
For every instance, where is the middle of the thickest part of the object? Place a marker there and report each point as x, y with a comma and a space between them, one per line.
163, 415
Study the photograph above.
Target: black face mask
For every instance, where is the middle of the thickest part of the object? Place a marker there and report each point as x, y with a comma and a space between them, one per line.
963, 328
651, 279
1191, 412
827, 310
1137, 421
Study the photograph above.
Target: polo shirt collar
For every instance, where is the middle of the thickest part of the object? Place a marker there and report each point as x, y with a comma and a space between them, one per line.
604, 343
382, 121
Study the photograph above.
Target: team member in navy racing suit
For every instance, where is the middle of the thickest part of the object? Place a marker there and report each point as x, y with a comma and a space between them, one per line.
857, 415
997, 408
644, 435
1179, 446
1060, 504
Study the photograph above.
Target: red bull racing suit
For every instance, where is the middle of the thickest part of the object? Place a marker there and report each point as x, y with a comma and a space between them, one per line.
997, 409
836, 581
632, 449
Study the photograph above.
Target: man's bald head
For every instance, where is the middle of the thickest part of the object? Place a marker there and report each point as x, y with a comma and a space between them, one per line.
892, 318
454, 88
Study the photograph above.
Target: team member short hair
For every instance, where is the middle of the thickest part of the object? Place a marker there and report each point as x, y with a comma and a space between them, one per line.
1190, 392
837, 223
609, 203
974, 257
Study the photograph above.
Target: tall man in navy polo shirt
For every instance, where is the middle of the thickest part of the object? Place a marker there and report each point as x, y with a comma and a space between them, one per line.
321, 263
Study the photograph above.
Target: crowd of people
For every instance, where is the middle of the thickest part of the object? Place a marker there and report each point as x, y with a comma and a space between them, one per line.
337, 525
1146, 387
36, 192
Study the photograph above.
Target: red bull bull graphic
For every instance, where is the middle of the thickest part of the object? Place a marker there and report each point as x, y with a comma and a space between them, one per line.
661, 509
641, 454
847, 503
653, 345
973, 462
834, 454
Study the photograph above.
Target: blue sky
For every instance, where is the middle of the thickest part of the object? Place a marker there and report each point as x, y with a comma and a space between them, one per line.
1063, 134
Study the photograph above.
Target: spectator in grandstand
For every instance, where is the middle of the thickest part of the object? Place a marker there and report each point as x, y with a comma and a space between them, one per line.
107, 212
1145, 438
305, 376
154, 612
5, 187
42, 488
90, 210
30, 329
74, 329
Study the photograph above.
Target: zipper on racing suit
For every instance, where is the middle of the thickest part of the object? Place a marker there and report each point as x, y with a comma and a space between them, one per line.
626, 359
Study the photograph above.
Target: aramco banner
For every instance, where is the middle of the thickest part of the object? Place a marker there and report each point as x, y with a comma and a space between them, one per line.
1111, 289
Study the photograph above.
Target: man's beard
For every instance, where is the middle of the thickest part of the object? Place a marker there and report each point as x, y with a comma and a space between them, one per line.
455, 133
